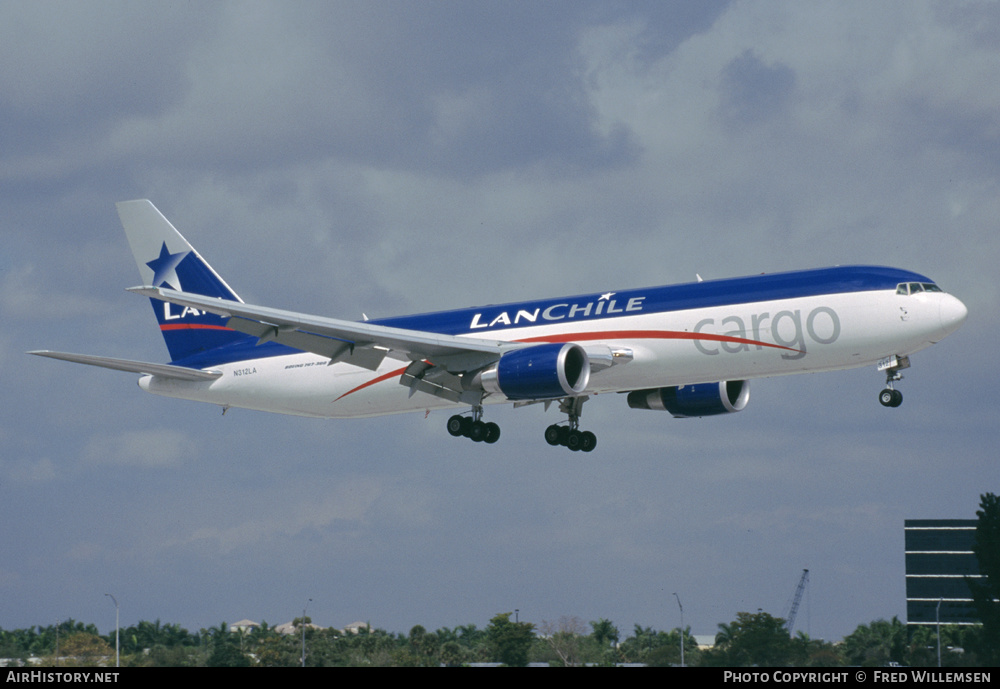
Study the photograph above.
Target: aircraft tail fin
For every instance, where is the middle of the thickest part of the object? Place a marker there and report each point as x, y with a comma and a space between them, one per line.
165, 258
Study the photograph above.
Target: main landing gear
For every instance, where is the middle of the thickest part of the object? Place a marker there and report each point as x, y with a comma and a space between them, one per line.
891, 397
570, 435
474, 427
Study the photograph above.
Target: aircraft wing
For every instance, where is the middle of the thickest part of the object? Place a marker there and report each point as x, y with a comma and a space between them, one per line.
362, 344
162, 370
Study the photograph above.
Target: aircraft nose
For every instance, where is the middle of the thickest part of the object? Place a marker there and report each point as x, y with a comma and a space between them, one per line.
952, 313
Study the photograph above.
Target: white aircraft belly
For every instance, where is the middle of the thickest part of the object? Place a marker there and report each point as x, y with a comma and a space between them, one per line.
807, 334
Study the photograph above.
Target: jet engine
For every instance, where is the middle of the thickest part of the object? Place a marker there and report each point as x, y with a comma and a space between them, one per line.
544, 371
702, 399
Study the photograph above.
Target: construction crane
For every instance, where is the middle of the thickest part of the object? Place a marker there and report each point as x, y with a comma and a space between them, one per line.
796, 599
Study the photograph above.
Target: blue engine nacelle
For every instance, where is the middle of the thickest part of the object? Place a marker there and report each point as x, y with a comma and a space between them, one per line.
544, 371
702, 399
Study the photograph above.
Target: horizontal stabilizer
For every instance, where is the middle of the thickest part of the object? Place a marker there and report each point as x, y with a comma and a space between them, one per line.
162, 370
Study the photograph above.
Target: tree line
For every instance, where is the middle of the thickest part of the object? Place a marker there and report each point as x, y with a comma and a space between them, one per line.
751, 639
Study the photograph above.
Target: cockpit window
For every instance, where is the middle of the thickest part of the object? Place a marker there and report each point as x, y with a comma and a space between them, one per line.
916, 287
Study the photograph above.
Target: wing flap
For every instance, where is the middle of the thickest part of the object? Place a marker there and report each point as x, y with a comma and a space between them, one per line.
421, 376
336, 349
144, 367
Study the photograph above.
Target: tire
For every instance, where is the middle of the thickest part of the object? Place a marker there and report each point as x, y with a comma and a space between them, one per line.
552, 435
477, 433
886, 397
897, 398
564, 432
574, 441
456, 426
492, 433
588, 441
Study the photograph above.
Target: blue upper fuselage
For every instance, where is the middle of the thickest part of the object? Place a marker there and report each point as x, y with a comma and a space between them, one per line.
692, 295
494, 319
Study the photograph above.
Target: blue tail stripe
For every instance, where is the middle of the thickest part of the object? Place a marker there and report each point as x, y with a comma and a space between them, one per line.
188, 332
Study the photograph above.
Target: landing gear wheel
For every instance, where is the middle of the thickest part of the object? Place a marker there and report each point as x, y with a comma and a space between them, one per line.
564, 432
477, 432
890, 398
456, 426
492, 433
588, 441
574, 441
553, 435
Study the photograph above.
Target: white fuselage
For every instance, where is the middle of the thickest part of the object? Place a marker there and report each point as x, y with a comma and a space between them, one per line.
668, 348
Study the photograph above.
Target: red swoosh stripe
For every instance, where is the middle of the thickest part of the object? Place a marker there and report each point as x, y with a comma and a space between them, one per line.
618, 334
386, 376
192, 326
652, 335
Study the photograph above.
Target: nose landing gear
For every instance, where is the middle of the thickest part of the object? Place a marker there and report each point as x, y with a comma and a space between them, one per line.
891, 397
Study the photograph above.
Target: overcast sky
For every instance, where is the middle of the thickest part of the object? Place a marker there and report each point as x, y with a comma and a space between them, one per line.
394, 157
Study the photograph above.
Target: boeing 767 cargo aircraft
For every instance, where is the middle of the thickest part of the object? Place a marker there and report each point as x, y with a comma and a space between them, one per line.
688, 349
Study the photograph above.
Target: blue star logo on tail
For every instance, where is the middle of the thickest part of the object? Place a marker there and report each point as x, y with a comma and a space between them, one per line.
165, 268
